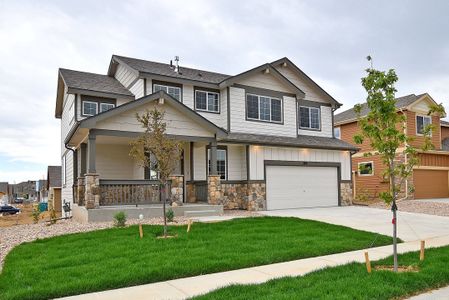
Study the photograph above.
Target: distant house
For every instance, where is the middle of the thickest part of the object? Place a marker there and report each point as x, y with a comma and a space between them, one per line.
429, 179
42, 191
25, 189
54, 187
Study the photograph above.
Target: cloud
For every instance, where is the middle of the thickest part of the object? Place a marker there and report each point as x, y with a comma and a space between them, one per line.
329, 40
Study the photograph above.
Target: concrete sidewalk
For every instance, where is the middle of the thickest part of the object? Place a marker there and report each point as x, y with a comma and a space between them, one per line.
193, 286
440, 294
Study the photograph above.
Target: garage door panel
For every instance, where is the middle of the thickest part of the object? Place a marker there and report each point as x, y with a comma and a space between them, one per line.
431, 184
301, 187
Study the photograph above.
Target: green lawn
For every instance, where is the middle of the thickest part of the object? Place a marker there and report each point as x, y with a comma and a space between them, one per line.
113, 258
351, 281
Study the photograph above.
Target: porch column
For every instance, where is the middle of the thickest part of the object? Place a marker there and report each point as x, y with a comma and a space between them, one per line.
213, 158
91, 152
83, 160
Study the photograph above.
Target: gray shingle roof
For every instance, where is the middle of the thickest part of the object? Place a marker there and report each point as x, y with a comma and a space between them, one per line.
350, 114
93, 82
444, 123
305, 141
54, 176
157, 68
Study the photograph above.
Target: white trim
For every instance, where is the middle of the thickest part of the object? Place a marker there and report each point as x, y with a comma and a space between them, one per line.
365, 162
310, 117
258, 103
207, 101
96, 107
416, 123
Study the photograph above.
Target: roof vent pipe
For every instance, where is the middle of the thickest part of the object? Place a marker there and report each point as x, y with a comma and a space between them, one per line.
171, 64
177, 64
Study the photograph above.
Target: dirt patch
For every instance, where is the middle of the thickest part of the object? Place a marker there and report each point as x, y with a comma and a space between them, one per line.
24, 217
401, 269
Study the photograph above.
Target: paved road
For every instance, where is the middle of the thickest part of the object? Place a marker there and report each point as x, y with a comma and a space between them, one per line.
411, 226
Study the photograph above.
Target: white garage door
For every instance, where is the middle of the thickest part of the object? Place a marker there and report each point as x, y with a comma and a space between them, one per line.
301, 187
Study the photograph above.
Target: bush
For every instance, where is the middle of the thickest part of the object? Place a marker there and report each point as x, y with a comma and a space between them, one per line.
170, 215
120, 219
35, 214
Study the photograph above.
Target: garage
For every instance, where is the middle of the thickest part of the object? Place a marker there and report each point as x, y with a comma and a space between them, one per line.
301, 186
431, 184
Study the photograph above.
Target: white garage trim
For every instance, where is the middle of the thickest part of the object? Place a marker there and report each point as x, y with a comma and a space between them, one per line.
315, 165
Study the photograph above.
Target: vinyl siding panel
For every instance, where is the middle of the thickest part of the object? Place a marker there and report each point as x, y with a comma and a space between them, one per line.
114, 162
433, 160
369, 187
236, 162
67, 118
137, 89
177, 122
312, 92
67, 191
419, 140
326, 124
199, 161
124, 75
348, 131
266, 81
240, 124
258, 154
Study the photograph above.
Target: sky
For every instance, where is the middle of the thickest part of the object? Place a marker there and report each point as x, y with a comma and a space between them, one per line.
328, 40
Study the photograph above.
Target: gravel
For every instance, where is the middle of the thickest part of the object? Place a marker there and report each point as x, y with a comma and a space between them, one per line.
15, 235
419, 206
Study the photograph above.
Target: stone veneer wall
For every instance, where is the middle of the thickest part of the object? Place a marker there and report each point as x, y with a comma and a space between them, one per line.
80, 191
177, 189
346, 193
214, 192
92, 191
190, 192
257, 196
240, 195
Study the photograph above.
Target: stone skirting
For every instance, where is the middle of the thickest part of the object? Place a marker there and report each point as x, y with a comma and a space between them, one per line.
177, 189
257, 196
235, 195
346, 193
240, 195
214, 192
80, 191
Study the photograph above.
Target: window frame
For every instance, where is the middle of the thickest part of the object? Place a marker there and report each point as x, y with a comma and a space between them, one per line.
310, 117
365, 162
416, 124
281, 122
207, 104
168, 85
89, 101
105, 103
219, 148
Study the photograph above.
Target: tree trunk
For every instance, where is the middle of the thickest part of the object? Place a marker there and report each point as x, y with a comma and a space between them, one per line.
395, 221
164, 196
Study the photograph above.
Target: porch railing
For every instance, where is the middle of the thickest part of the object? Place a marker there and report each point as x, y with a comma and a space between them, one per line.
201, 191
129, 192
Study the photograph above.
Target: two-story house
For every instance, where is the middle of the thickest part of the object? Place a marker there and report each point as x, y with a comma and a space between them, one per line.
429, 178
259, 140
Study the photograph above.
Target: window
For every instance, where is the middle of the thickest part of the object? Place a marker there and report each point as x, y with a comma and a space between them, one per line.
207, 101
221, 162
90, 108
421, 123
106, 106
150, 171
309, 118
337, 132
366, 168
263, 108
173, 91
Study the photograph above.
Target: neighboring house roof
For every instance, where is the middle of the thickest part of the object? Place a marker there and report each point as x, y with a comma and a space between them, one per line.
350, 115
444, 123
54, 176
91, 121
305, 141
90, 84
157, 68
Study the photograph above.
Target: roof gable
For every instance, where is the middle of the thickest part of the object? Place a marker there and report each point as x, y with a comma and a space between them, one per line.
287, 63
161, 98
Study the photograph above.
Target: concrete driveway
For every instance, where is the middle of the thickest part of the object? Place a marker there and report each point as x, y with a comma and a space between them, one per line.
411, 226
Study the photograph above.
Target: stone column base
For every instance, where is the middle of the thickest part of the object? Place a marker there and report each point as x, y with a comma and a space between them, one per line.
177, 189
346, 193
92, 191
214, 192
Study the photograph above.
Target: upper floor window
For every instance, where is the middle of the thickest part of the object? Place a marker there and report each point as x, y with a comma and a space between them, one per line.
309, 118
90, 108
106, 106
173, 91
207, 101
262, 108
337, 132
421, 123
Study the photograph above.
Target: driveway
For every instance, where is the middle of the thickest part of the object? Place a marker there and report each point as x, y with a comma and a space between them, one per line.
411, 226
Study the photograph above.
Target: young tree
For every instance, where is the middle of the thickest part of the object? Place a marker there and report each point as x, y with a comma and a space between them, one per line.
155, 150
384, 127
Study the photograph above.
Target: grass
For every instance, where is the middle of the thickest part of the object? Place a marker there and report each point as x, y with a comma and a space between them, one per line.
351, 281
112, 258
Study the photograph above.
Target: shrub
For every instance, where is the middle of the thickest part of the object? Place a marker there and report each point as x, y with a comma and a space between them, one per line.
120, 219
53, 216
170, 215
35, 214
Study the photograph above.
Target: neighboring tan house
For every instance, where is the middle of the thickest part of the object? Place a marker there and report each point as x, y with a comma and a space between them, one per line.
429, 179
259, 140
54, 187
